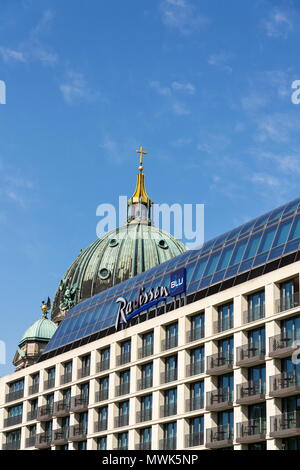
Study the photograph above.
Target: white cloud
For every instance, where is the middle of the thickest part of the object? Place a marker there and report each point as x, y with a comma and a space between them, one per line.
253, 101
278, 24
75, 88
278, 127
160, 89
180, 109
265, 179
11, 54
221, 60
188, 88
182, 15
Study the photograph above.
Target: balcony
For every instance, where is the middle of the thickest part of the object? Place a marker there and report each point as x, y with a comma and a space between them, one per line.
45, 413
285, 425
100, 425
145, 351
62, 408
145, 382
30, 441
250, 355
284, 344
168, 376
121, 421
43, 440
143, 446
222, 325
250, 431
287, 302
32, 415
144, 415
251, 392
79, 403
194, 439
254, 313
169, 343
16, 445
12, 421
122, 389
101, 395
66, 378
285, 384
78, 432
123, 358
60, 436
83, 372
195, 368
220, 399
168, 444
220, 436
195, 403
168, 410
102, 365
194, 334
50, 383
12, 396
219, 363
34, 389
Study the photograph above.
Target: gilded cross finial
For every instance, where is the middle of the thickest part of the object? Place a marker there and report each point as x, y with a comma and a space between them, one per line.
142, 153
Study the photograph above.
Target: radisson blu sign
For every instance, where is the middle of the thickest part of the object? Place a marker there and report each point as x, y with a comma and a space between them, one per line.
150, 298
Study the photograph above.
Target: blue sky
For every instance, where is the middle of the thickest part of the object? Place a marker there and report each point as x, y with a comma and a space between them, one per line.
204, 85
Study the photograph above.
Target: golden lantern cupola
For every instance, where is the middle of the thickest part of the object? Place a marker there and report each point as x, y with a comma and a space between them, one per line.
140, 205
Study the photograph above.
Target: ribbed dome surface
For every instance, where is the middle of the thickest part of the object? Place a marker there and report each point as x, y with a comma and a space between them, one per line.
117, 256
41, 330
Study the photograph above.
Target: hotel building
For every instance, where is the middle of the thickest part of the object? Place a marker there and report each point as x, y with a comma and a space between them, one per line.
197, 351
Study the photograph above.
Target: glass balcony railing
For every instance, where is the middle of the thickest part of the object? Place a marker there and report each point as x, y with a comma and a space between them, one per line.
195, 403
169, 343
145, 351
253, 427
251, 389
284, 381
194, 334
284, 422
144, 415
223, 325
219, 434
254, 313
195, 368
284, 342
287, 302
168, 444
168, 376
194, 439
168, 410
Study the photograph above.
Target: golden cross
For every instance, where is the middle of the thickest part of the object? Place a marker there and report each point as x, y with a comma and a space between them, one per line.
142, 153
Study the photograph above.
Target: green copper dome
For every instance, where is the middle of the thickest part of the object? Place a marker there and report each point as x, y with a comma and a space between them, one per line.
41, 330
117, 256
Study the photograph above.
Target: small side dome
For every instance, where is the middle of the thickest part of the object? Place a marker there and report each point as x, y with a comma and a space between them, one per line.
41, 330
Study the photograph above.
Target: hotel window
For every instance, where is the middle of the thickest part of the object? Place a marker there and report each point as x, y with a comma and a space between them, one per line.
289, 295
50, 381
102, 443
103, 389
84, 391
196, 365
170, 373
146, 408
13, 440
257, 341
67, 372
123, 418
257, 379
50, 402
290, 330
124, 386
196, 400
225, 317
30, 442
104, 359
32, 414
48, 430
14, 415
16, 390
225, 351
196, 431
291, 443
123, 441
170, 436
256, 307
197, 327
125, 355
83, 422
170, 402
225, 388
102, 418
65, 426
225, 425
147, 345
35, 381
257, 418
82, 445
146, 376
145, 439
171, 340
84, 371
66, 396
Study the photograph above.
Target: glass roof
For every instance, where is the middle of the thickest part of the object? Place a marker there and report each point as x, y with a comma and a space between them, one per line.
255, 243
